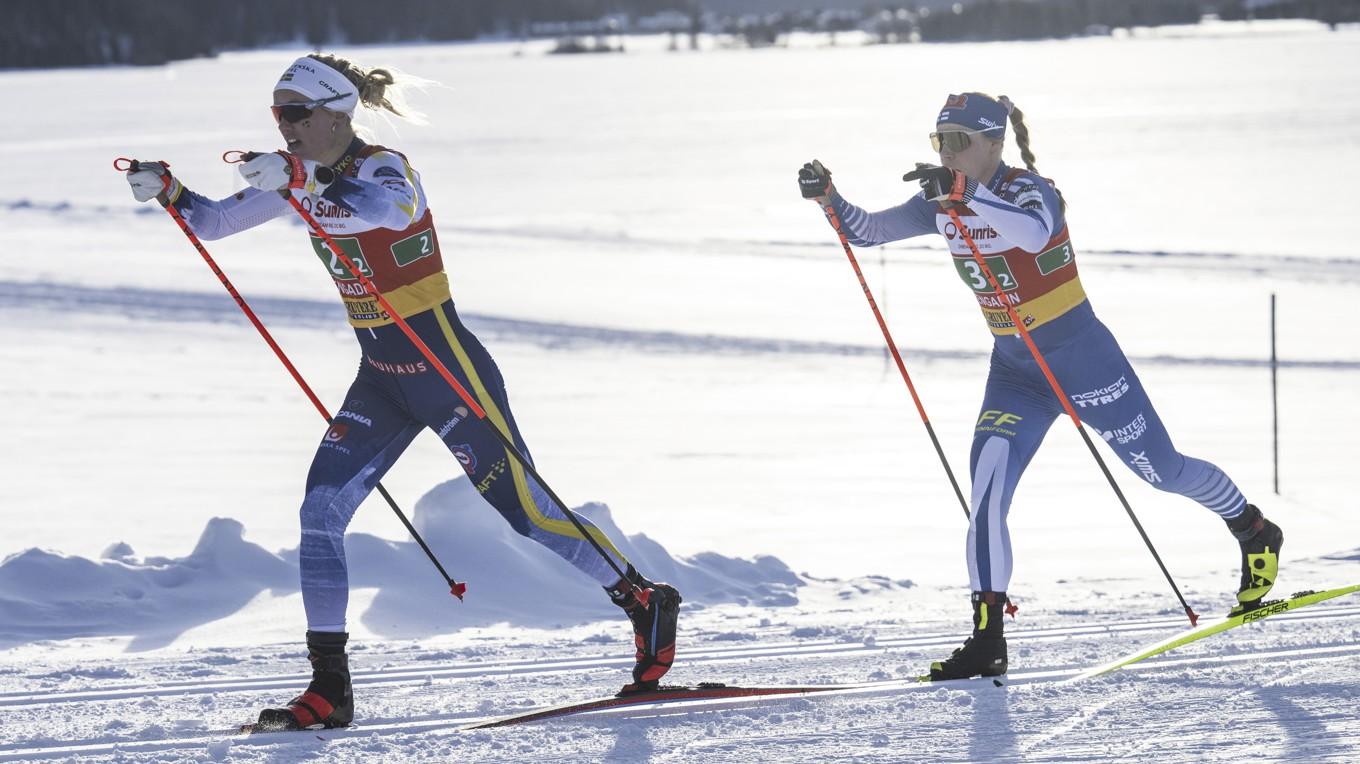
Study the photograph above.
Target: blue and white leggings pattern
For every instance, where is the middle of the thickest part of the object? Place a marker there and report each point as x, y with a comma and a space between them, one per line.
1017, 410
397, 394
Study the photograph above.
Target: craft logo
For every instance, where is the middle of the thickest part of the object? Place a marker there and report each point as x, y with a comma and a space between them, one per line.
1107, 394
463, 453
328, 87
459, 414
1140, 462
956, 102
1128, 433
496, 471
336, 433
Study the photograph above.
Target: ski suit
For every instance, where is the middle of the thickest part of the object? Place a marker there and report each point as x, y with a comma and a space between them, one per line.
1018, 225
376, 211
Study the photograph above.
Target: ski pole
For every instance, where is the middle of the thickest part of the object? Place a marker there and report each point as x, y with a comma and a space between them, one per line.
641, 594
1067, 405
892, 347
456, 588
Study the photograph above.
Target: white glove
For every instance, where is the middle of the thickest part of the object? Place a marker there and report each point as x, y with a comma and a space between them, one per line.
148, 180
277, 171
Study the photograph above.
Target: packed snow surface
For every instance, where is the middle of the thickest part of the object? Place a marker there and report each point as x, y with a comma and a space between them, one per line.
695, 368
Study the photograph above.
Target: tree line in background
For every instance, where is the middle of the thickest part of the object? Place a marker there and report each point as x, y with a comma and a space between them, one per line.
44, 33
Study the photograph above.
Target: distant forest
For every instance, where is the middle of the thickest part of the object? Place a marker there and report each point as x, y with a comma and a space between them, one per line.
54, 33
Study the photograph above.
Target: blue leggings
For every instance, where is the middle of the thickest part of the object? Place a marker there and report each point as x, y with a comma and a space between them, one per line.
1017, 410
396, 394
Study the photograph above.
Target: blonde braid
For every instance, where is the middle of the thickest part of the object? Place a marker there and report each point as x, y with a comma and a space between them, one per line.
1017, 118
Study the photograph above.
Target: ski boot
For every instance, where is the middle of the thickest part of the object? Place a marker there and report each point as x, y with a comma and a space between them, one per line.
984, 653
328, 701
1260, 540
654, 616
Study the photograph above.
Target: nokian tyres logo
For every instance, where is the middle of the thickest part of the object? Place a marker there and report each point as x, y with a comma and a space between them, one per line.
1100, 396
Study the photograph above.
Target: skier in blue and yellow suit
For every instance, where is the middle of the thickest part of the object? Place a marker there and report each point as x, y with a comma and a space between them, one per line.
1016, 218
376, 209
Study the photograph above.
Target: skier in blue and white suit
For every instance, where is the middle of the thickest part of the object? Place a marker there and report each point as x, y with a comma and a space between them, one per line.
1016, 218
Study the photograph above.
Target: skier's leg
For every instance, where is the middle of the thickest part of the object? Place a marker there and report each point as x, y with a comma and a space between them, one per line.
365, 439
498, 476
1012, 422
507, 486
1015, 415
1109, 396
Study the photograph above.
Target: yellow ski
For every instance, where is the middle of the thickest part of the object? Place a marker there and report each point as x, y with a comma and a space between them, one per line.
1266, 610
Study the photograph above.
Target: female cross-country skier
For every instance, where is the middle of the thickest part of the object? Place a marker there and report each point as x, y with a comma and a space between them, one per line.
1016, 218
375, 205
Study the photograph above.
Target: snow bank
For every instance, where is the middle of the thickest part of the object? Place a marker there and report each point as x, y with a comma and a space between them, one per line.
46, 595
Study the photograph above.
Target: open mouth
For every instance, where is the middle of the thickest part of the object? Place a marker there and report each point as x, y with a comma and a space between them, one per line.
293, 143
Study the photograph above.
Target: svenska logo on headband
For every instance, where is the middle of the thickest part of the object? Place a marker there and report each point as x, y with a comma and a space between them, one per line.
288, 75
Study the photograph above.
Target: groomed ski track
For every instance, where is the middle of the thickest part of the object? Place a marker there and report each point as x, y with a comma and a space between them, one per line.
419, 673
1277, 655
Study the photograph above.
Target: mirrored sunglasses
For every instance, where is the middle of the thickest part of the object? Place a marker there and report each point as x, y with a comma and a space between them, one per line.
296, 112
954, 140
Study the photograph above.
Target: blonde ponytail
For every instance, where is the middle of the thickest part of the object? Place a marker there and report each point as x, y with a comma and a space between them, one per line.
1017, 119
378, 88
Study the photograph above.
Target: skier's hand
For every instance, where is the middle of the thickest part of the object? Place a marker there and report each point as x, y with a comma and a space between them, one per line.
942, 184
152, 180
279, 171
814, 180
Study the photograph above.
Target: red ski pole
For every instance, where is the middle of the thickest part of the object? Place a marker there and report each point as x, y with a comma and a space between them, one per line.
892, 348
642, 595
1067, 405
123, 164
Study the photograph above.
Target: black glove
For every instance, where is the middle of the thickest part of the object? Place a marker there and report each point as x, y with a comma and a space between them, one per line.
942, 184
814, 180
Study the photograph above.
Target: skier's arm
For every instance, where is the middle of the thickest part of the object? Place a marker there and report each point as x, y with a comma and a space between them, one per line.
386, 192
215, 219
869, 229
1029, 221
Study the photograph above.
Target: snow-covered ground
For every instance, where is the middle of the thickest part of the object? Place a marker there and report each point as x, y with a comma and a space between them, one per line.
690, 358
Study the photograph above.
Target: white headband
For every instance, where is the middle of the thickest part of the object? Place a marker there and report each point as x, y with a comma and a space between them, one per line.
319, 82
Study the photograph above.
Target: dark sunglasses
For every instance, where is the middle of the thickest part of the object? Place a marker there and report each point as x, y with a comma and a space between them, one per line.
296, 112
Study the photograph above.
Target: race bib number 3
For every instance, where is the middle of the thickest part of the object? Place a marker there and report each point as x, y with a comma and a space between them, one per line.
1054, 259
972, 274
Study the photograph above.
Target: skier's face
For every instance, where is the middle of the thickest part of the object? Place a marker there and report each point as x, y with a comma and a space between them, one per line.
310, 131
977, 159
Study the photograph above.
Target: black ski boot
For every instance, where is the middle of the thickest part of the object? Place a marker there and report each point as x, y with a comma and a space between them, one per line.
654, 615
1260, 540
984, 653
328, 701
